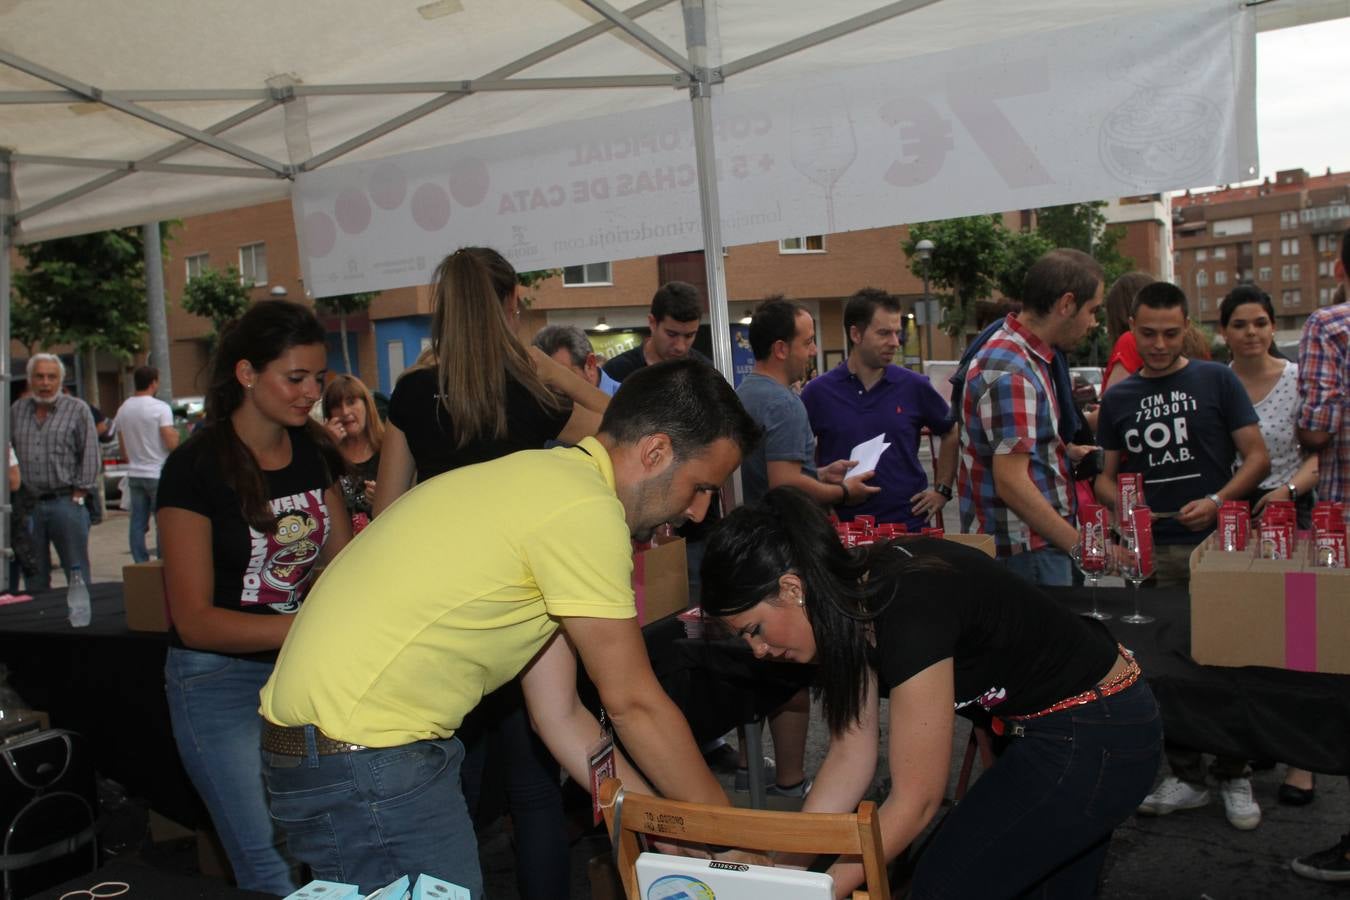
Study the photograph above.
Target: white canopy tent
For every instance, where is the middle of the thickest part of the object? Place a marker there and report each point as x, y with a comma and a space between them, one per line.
116, 114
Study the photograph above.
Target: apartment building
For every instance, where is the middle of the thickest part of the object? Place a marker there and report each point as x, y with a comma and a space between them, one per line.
1282, 234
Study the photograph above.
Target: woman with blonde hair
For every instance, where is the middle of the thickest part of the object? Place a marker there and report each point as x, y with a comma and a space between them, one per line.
349, 415
478, 394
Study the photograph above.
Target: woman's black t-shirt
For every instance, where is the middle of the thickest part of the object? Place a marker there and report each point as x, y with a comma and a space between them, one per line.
255, 572
417, 411
1015, 650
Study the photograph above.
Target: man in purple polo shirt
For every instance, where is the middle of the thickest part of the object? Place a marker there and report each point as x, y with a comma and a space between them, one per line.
867, 395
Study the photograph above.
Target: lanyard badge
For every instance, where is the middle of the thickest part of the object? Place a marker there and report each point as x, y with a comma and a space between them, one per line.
600, 760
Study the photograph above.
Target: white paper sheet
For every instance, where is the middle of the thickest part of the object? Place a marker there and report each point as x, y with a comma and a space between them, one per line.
868, 454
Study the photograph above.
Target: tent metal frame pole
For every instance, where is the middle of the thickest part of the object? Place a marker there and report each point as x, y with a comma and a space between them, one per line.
164, 153
644, 37
697, 24
6, 243
147, 115
157, 317
135, 166
531, 59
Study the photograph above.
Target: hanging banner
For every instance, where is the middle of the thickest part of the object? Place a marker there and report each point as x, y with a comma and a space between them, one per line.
1126, 106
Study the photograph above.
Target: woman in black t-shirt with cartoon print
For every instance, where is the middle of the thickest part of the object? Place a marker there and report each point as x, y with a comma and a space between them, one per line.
247, 508
940, 629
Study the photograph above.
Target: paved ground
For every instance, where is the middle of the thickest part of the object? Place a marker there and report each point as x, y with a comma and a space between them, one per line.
1188, 855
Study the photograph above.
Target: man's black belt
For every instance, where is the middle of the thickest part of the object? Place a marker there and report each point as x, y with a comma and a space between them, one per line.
52, 495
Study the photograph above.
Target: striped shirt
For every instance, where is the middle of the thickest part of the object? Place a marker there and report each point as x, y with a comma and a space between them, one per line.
1010, 407
1324, 384
59, 454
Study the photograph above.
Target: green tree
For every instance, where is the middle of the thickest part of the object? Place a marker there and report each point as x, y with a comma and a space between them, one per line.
968, 254
87, 290
1022, 249
342, 306
216, 295
1082, 226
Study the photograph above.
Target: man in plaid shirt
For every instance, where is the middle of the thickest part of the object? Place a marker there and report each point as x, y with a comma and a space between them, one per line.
1324, 383
57, 446
1324, 426
1016, 478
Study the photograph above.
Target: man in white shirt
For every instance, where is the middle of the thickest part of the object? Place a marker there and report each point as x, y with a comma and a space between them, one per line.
145, 426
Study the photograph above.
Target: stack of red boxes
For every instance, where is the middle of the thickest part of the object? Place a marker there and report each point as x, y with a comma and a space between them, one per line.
1329, 535
1278, 531
1235, 525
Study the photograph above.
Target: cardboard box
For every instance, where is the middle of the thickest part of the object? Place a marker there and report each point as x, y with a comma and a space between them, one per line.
1268, 612
982, 542
143, 596
660, 581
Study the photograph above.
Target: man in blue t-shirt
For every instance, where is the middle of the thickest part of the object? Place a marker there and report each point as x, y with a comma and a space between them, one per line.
1181, 423
867, 395
783, 339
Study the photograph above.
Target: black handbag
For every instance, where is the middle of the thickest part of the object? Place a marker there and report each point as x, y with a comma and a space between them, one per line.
48, 812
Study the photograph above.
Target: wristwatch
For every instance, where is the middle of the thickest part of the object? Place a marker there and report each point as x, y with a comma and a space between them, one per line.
944, 489
1293, 490
1216, 500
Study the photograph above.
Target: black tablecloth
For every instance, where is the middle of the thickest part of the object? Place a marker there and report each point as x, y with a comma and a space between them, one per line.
108, 684
146, 883
1252, 712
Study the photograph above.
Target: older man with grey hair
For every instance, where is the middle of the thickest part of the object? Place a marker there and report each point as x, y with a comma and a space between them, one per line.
569, 345
57, 446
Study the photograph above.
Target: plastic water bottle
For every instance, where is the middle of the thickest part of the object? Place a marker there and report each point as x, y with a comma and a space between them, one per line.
77, 599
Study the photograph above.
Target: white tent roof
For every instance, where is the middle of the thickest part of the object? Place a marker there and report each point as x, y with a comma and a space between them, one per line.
128, 112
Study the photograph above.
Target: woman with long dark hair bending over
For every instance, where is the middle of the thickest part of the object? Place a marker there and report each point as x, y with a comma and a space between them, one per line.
941, 629
248, 507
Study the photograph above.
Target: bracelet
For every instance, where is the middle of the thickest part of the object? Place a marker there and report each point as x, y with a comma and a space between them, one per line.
843, 486
1293, 490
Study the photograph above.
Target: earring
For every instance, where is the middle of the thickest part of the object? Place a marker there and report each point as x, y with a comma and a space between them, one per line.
801, 601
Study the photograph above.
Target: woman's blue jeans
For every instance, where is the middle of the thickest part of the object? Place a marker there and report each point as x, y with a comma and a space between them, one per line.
1038, 823
213, 705
367, 817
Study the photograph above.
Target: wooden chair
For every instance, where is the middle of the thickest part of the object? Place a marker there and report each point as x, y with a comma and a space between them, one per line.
856, 834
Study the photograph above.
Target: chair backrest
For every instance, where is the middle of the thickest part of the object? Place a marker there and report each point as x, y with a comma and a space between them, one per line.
848, 834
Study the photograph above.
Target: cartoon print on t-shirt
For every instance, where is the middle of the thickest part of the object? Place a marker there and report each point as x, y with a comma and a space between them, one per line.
280, 565
988, 700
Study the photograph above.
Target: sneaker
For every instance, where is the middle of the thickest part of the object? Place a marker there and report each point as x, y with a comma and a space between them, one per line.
742, 781
1238, 805
1328, 865
1173, 794
797, 791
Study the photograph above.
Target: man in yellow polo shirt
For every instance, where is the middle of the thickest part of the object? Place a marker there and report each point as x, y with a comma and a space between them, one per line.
459, 587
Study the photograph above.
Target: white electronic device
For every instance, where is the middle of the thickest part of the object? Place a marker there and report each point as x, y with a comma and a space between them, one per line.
662, 877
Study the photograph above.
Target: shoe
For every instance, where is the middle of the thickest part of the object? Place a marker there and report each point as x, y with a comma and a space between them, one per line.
1238, 805
1173, 794
722, 757
1292, 795
742, 781
797, 791
1327, 865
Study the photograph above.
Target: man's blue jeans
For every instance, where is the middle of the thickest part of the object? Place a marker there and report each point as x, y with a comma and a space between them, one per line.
1047, 566
1038, 823
213, 706
143, 491
367, 817
64, 524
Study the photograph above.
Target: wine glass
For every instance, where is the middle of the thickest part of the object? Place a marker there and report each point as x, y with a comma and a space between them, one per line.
822, 144
1131, 571
1093, 568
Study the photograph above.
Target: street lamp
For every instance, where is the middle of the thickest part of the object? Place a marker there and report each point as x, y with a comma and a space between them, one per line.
924, 251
